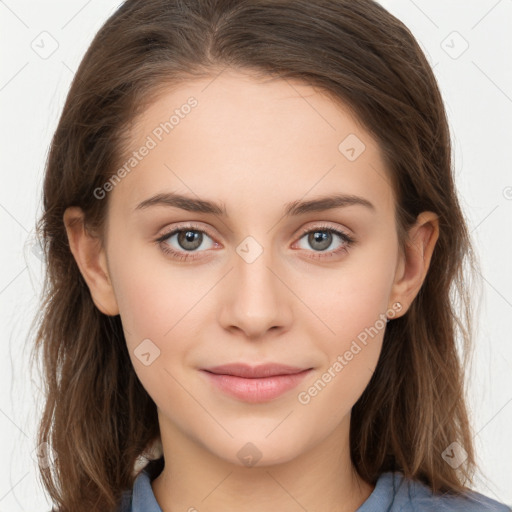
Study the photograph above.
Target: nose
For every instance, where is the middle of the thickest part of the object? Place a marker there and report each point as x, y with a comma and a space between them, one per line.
255, 298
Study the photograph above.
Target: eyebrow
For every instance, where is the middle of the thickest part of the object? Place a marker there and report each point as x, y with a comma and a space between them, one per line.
291, 209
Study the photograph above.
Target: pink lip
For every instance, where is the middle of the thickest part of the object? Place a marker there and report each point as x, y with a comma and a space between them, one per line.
253, 372
255, 384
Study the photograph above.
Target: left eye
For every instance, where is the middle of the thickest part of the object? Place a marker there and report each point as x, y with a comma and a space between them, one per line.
322, 238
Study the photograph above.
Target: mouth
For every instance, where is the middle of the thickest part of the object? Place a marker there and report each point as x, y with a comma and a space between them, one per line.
255, 372
255, 384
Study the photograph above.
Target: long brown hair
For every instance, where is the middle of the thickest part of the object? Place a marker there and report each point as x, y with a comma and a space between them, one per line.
358, 54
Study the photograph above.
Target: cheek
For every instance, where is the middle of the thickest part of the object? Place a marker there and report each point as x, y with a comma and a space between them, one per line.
350, 347
356, 296
331, 393
157, 325
352, 306
163, 308
153, 296
149, 308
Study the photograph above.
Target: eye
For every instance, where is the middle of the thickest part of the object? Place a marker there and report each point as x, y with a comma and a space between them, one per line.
186, 239
322, 237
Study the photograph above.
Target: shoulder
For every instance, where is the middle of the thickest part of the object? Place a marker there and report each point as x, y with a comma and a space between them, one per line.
400, 494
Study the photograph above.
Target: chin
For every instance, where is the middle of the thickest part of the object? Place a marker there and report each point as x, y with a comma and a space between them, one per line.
260, 451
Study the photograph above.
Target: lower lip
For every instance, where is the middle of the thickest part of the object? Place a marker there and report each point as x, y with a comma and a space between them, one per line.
256, 390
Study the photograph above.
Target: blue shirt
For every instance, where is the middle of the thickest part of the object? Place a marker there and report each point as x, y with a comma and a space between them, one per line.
392, 493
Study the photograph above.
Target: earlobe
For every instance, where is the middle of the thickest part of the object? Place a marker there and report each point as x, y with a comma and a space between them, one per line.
91, 260
415, 262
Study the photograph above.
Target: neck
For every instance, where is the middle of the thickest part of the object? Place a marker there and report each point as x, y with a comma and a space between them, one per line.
322, 479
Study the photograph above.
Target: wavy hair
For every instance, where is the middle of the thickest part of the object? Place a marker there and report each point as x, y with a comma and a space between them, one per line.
357, 53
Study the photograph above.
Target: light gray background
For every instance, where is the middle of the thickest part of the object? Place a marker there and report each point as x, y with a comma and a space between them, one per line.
477, 88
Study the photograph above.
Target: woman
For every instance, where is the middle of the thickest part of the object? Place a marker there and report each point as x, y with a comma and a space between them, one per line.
252, 233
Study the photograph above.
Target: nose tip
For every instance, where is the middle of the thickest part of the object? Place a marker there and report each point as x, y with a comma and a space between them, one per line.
255, 299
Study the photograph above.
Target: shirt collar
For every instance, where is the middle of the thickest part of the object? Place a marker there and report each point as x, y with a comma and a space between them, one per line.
143, 498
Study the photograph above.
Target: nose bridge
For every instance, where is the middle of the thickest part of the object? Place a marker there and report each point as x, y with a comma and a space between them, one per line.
256, 300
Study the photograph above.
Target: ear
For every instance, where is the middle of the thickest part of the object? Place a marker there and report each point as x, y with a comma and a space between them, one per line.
91, 259
415, 261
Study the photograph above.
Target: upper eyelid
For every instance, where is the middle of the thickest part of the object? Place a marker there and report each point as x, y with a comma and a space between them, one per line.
173, 230
322, 227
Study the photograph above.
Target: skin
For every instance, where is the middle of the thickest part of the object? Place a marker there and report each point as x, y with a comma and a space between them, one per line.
253, 146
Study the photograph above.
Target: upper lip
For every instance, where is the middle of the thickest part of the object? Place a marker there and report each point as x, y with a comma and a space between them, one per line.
253, 372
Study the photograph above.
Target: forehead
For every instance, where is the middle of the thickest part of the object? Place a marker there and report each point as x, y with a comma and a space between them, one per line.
234, 137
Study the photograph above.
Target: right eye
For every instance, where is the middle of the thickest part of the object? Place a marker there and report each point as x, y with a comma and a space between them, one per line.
186, 239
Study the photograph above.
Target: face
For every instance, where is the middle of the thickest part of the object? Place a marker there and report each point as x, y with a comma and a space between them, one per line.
252, 277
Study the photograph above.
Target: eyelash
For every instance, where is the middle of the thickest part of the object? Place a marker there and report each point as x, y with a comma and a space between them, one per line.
182, 256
